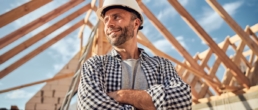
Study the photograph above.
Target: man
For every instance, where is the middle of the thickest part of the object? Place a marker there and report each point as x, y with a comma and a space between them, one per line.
127, 78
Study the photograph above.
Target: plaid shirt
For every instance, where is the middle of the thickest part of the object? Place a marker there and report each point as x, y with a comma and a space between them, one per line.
102, 74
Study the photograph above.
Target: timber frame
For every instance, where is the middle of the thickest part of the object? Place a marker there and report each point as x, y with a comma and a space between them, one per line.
239, 68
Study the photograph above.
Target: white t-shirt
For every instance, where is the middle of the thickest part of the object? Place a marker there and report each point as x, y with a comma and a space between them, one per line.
133, 76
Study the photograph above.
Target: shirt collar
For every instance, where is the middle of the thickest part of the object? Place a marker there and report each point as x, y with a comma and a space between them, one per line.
143, 54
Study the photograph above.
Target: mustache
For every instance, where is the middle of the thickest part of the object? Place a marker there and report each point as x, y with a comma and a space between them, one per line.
111, 29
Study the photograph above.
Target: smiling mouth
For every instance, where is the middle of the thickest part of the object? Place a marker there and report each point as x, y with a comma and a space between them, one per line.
113, 32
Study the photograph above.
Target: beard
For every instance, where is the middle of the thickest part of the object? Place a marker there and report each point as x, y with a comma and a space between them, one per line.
126, 33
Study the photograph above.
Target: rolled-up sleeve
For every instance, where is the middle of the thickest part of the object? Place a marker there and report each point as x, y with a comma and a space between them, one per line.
173, 93
91, 90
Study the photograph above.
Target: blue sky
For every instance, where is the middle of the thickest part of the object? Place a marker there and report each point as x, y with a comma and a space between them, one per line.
50, 61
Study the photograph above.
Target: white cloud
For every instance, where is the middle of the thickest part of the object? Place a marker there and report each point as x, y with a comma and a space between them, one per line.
184, 2
18, 94
163, 45
167, 9
66, 47
211, 21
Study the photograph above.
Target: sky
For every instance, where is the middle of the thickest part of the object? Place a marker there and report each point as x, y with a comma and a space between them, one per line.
46, 64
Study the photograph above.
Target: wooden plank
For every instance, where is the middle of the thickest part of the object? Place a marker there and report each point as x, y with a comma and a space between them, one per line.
250, 32
35, 52
86, 20
236, 60
171, 38
182, 51
20, 11
80, 34
229, 94
6, 40
254, 28
16, 50
214, 69
38, 82
242, 57
212, 44
206, 59
195, 79
233, 24
232, 39
101, 34
144, 41
251, 59
247, 52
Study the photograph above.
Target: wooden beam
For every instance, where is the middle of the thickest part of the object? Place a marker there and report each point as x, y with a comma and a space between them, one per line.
16, 50
236, 60
250, 32
6, 40
209, 41
39, 82
232, 39
20, 11
242, 57
171, 38
251, 59
229, 94
233, 24
206, 59
80, 34
40, 49
86, 20
196, 79
101, 34
144, 41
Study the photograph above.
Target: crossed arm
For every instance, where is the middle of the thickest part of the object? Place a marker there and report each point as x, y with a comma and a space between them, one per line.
138, 98
172, 94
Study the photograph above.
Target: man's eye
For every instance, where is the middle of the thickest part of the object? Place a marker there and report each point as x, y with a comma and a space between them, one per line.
116, 17
105, 20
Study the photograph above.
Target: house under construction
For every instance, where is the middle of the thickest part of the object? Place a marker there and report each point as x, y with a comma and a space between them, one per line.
237, 90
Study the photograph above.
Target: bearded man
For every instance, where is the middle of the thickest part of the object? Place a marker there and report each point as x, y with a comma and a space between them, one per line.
128, 78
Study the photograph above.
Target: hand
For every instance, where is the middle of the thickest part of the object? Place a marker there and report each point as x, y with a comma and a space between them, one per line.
116, 95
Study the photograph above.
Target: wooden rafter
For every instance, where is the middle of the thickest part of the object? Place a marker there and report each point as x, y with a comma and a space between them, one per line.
38, 82
144, 42
35, 52
6, 40
233, 24
86, 20
101, 35
20, 11
6, 56
172, 40
213, 46
250, 32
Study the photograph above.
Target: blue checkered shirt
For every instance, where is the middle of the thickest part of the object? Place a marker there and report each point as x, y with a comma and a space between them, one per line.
103, 74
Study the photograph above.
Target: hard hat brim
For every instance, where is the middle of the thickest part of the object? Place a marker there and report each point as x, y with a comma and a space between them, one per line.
100, 10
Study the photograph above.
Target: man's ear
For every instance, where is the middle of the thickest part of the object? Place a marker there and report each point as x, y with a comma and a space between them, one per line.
137, 23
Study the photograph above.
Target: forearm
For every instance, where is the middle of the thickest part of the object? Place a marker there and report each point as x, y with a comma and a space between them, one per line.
137, 98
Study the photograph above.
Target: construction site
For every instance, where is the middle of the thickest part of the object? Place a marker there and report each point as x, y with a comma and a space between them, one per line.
218, 80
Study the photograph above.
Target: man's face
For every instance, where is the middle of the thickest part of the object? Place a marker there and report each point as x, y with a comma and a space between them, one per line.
119, 27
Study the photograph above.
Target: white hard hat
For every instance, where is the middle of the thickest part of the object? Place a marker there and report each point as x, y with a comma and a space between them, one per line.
131, 4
